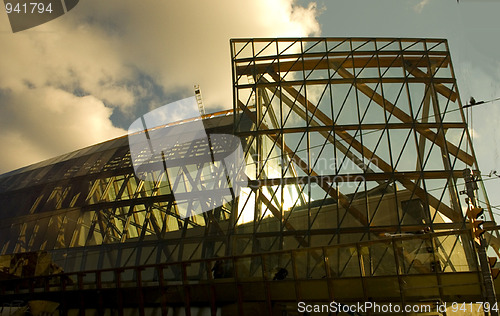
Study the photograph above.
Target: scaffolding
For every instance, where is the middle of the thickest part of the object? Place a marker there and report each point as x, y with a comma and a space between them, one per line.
354, 157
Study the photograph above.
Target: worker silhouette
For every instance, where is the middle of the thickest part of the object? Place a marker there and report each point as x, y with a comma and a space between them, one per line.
218, 269
281, 274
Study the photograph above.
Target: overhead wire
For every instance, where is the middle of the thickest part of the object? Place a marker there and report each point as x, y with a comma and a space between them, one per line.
496, 207
480, 102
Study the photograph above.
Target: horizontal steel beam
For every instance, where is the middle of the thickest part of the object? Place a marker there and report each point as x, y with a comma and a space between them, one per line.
354, 127
324, 60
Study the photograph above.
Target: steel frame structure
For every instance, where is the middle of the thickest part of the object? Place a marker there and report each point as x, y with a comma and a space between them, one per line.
354, 151
250, 288
382, 110
368, 133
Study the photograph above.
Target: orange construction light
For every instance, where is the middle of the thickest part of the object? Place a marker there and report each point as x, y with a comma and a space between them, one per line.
476, 224
477, 228
475, 212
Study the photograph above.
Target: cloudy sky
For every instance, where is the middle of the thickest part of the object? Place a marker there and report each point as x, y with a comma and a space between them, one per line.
85, 77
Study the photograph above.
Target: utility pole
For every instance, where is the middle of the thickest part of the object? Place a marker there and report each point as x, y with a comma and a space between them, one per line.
485, 263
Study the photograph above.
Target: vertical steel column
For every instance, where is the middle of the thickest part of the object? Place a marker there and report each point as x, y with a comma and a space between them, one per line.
399, 272
161, 283
213, 297
81, 310
100, 308
296, 281
119, 294
187, 292
490, 294
266, 285
140, 295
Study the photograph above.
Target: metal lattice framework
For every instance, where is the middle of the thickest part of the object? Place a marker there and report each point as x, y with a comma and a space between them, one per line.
356, 122
353, 140
354, 152
88, 207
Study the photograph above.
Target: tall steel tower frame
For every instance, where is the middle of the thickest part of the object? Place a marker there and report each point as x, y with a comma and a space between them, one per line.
386, 113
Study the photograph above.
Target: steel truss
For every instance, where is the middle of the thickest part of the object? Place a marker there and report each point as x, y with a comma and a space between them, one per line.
384, 114
354, 151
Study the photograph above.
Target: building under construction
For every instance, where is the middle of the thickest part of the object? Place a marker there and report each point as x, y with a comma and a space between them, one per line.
361, 185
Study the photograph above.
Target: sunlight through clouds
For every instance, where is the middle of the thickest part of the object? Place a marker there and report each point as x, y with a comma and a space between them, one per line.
87, 75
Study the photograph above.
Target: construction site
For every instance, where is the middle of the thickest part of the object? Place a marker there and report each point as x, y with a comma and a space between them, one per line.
358, 182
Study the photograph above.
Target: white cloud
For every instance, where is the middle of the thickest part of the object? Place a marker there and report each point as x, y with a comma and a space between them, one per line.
189, 42
103, 50
44, 121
